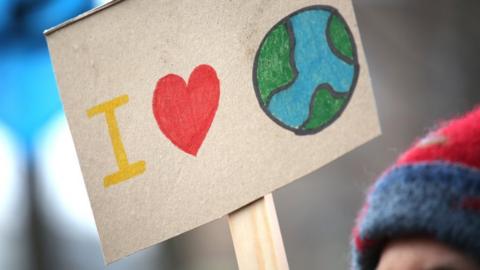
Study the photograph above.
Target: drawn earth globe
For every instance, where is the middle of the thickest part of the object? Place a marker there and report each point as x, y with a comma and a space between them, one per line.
306, 69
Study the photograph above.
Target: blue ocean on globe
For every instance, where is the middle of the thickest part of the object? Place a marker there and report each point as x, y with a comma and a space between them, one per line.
315, 62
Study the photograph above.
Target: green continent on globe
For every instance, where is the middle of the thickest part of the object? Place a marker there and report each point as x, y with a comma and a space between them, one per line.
273, 64
325, 107
338, 34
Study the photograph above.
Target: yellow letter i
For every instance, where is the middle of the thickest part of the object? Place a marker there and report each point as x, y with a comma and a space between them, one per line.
126, 170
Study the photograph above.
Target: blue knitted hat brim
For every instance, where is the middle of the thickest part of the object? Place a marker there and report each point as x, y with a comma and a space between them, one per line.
422, 199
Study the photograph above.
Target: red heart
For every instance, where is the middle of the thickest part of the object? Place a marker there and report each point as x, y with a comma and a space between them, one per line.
184, 112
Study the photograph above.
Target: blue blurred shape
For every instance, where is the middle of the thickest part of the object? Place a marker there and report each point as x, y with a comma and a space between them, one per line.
6, 10
28, 93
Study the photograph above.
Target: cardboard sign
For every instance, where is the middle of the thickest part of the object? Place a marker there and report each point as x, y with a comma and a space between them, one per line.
183, 111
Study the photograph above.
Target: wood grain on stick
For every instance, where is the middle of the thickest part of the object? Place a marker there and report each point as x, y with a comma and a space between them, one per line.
256, 236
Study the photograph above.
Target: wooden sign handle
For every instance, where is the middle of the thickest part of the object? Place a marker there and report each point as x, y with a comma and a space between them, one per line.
256, 236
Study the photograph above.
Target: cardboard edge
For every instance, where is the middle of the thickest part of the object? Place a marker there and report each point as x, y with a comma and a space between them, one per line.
81, 17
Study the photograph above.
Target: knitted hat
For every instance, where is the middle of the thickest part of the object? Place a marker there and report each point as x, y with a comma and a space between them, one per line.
432, 190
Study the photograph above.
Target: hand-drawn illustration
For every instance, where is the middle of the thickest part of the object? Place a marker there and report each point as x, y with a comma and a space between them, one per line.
184, 112
126, 170
306, 69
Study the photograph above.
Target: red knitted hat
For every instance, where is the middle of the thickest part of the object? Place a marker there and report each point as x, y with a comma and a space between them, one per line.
433, 189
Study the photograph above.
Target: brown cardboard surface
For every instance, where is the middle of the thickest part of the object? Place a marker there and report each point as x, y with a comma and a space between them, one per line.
123, 51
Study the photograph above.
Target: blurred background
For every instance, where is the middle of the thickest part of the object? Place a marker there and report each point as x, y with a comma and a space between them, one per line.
425, 65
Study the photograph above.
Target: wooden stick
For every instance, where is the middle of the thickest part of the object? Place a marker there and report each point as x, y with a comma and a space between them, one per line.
256, 236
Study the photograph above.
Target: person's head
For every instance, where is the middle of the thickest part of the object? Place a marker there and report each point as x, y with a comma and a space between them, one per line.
423, 213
